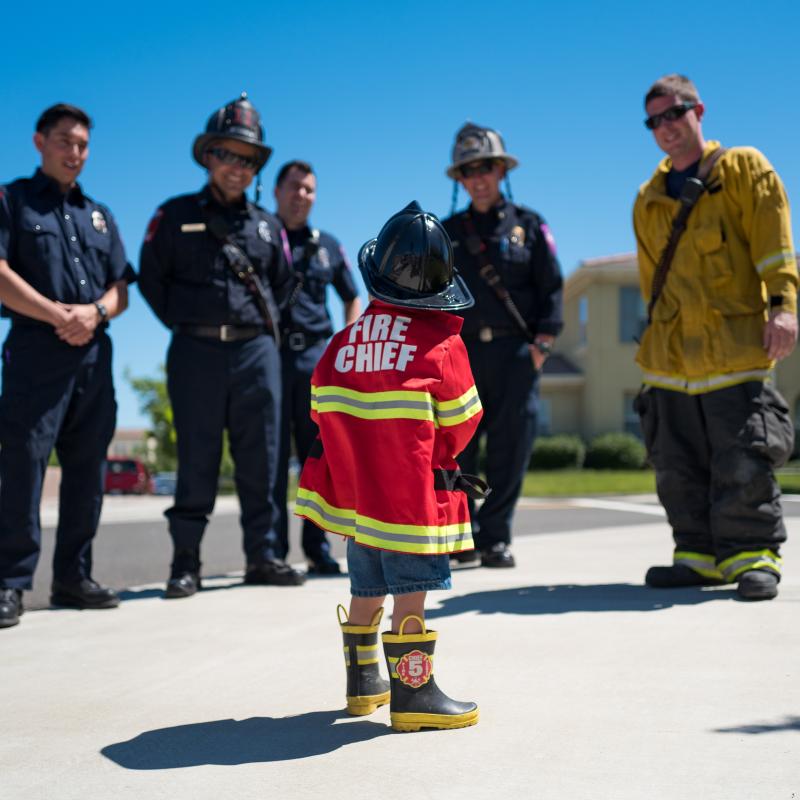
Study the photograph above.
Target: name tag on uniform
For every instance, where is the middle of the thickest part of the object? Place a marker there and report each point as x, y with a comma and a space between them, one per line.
193, 227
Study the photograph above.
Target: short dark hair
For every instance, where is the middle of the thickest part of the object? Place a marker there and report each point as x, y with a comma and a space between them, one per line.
50, 117
673, 84
303, 166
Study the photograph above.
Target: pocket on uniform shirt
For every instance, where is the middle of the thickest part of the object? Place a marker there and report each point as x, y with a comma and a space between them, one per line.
39, 240
710, 244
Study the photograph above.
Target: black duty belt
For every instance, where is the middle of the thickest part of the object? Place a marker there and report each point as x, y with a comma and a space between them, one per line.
222, 333
298, 341
488, 334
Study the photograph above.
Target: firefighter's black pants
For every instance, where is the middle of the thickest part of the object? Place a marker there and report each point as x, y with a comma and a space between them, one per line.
714, 456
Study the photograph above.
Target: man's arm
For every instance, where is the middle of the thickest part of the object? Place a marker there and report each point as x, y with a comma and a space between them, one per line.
18, 295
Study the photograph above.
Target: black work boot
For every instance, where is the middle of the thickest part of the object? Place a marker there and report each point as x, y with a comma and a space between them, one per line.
11, 608
366, 690
498, 555
417, 702
323, 563
757, 584
85, 593
184, 579
273, 572
676, 576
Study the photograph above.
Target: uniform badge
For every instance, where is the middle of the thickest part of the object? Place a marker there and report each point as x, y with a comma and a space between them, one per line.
152, 226
264, 231
517, 236
324, 258
414, 669
99, 221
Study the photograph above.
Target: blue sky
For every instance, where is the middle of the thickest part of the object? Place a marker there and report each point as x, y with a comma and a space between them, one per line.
372, 93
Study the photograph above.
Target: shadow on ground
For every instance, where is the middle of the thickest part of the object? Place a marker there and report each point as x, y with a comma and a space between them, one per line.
230, 742
787, 724
569, 597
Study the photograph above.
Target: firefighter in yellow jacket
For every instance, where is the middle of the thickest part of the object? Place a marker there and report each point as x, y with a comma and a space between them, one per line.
714, 428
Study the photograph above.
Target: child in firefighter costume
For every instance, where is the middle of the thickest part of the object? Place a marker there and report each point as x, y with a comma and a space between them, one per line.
395, 402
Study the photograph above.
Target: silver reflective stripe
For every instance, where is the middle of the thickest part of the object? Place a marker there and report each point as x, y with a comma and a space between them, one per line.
454, 412
736, 566
304, 502
374, 405
773, 259
696, 386
696, 563
411, 539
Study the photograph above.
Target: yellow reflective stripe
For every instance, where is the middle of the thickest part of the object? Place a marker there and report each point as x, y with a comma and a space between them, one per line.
680, 383
702, 563
734, 566
422, 539
372, 405
454, 412
772, 260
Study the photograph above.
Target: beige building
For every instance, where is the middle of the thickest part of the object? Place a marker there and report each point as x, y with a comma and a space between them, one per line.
589, 385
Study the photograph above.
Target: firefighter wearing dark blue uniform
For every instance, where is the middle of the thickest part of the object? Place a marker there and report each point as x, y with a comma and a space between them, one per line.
63, 275
318, 261
223, 367
496, 238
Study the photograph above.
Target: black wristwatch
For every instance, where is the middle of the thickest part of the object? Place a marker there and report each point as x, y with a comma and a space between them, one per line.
545, 348
102, 311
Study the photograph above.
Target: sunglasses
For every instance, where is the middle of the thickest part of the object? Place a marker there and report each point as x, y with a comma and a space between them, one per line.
670, 115
478, 168
234, 159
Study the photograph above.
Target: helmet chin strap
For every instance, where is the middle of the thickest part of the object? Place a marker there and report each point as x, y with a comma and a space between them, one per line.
508, 189
258, 187
454, 200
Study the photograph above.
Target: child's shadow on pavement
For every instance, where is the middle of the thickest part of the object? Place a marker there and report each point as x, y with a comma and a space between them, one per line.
247, 741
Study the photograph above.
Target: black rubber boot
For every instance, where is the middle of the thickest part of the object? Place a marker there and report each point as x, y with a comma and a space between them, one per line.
366, 690
757, 584
417, 702
677, 575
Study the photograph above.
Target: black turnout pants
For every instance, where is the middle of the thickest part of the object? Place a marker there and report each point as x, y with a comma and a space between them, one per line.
714, 456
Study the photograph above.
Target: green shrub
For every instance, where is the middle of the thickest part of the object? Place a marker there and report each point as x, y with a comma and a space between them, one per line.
615, 451
558, 452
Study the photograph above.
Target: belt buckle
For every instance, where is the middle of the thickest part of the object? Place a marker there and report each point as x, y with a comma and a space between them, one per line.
226, 333
485, 334
296, 341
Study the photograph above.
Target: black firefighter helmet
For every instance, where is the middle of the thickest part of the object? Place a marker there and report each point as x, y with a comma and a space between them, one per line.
237, 120
411, 263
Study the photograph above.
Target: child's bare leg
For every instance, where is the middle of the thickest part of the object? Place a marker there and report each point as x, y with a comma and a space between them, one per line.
405, 605
363, 609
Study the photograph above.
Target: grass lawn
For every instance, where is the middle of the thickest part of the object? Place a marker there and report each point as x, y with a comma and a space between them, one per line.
582, 482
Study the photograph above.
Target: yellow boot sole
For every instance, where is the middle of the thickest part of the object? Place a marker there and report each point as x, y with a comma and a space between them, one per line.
359, 706
408, 723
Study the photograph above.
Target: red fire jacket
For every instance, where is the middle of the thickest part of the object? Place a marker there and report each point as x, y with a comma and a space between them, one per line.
394, 399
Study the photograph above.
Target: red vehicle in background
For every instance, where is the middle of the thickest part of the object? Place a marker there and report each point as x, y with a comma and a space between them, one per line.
127, 476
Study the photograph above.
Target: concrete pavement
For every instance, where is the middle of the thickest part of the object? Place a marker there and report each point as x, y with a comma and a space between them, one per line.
590, 686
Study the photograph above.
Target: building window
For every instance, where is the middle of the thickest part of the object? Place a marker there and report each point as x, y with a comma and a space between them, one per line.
632, 314
544, 419
630, 419
583, 319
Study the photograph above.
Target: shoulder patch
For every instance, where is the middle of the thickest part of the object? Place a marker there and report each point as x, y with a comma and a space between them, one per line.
152, 226
548, 237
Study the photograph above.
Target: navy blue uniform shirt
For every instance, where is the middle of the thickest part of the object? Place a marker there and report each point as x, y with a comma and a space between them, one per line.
317, 260
65, 246
184, 275
522, 250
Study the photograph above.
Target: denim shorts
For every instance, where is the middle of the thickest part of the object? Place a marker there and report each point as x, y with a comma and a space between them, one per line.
374, 573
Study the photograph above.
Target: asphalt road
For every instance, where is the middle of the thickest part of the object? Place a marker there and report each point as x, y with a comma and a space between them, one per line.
132, 547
